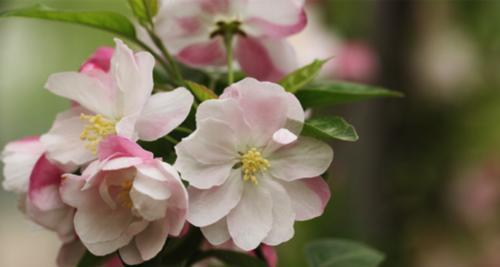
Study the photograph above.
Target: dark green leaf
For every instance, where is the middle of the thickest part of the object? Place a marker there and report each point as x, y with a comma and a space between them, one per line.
330, 127
144, 10
90, 260
333, 92
299, 78
341, 253
108, 21
200, 91
233, 258
181, 249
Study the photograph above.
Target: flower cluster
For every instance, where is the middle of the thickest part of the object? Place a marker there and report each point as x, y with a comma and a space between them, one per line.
248, 173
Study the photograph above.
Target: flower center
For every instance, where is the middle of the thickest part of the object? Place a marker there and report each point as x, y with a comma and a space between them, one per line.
253, 163
96, 129
123, 196
227, 27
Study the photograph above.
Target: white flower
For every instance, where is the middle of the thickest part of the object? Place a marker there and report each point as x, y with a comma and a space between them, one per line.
250, 174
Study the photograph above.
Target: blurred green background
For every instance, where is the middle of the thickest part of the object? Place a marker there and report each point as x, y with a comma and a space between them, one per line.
422, 184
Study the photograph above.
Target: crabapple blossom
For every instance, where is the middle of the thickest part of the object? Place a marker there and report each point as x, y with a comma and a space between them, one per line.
251, 175
115, 102
127, 201
193, 30
36, 180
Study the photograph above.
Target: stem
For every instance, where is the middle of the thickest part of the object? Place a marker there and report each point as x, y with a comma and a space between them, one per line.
171, 139
174, 69
228, 42
183, 130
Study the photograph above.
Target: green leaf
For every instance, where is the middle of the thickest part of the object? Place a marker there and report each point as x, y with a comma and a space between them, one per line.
330, 127
334, 92
200, 91
179, 250
233, 258
104, 20
144, 10
299, 78
90, 260
341, 253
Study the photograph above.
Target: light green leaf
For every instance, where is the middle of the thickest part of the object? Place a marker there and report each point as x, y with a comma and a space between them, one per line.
330, 127
233, 258
201, 92
341, 253
104, 20
144, 10
334, 92
300, 77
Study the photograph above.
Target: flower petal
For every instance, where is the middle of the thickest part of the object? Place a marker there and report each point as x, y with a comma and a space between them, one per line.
163, 113
120, 146
309, 197
99, 60
70, 254
19, 158
208, 206
44, 185
215, 139
63, 140
134, 77
265, 59
216, 233
283, 214
130, 254
251, 220
150, 241
210, 53
307, 157
87, 91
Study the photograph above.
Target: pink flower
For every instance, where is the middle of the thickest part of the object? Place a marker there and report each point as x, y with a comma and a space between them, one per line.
190, 29
126, 201
36, 180
250, 174
101, 60
118, 102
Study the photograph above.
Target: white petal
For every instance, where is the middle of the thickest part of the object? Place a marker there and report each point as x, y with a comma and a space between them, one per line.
70, 254
251, 221
151, 240
208, 206
163, 113
133, 74
305, 158
283, 214
214, 142
63, 142
309, 197
130, 254
89, 92
216, 233
199, 175
19, 158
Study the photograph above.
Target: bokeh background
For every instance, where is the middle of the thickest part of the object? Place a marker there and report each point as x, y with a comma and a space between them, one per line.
423, 182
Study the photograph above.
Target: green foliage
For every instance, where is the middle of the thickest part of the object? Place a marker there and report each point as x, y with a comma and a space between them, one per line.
334, 92
144, 10
233, 258
301, 77
330, 127
104, 20
201, 92
341, 253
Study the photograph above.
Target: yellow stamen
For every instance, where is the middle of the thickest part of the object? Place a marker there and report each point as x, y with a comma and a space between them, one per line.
253, 163
96, 129
124, 196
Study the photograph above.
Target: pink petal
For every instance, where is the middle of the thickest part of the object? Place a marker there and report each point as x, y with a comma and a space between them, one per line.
202, 54
150, 241
163, 113
266, 27
120, 146
251, 220
19, 158
270, 255
265, 59
44, 185
309, 197
99, 60
209, 206
70, 254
